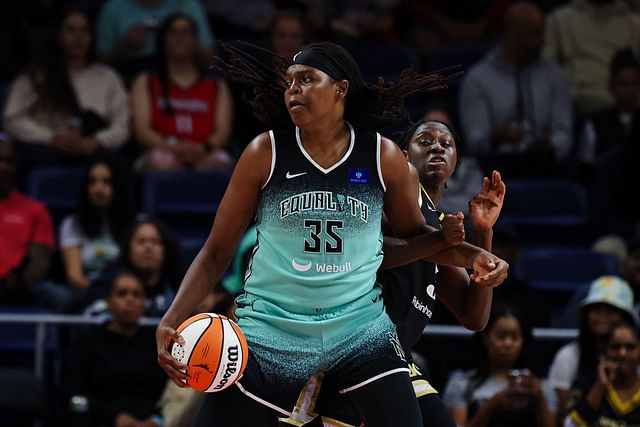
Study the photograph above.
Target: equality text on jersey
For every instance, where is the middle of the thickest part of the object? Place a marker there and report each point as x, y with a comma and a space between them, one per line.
323, 201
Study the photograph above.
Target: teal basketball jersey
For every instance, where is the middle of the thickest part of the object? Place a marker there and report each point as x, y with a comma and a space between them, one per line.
319, 235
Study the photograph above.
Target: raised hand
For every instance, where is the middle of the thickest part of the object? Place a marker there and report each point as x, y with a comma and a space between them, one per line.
485, 206
607, 370
453, 228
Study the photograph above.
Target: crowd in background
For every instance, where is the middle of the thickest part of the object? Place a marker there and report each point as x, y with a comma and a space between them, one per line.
125, 88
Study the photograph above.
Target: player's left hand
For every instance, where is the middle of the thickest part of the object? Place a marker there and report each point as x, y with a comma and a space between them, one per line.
485, 206
489, 271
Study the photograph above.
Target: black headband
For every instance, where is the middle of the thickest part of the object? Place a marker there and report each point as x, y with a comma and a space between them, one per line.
317, 58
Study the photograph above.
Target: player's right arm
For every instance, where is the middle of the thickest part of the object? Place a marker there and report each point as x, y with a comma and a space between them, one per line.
232, 218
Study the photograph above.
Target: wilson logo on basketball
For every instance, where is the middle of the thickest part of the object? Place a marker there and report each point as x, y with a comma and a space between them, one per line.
231, 368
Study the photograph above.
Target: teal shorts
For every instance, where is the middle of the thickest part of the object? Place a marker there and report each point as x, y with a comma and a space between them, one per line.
353, 345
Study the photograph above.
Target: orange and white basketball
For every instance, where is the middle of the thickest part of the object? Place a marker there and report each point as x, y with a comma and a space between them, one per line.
215, 351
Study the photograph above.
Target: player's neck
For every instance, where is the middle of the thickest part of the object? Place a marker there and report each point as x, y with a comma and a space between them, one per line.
326, 141
433, 191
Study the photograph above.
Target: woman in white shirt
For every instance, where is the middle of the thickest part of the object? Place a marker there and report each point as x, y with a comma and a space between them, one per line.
89, 237
65, 106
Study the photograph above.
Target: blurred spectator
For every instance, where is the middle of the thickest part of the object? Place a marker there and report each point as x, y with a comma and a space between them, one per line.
582, 36
614, 127
609, 149
612, 400
609, 300
26, 243
114, 378
611, 244
631, 269
502, 389
515, 105
127, 28
371, 19
515, 292
181, 116
65, 106
153, 254
89, 237
288, 33
463, 21
242, 18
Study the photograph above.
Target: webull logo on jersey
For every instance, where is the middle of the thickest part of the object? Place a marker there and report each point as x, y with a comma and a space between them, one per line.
321, 267
323, 201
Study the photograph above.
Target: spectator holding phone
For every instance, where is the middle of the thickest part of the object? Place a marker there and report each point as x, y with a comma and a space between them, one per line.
501, 390
613, 399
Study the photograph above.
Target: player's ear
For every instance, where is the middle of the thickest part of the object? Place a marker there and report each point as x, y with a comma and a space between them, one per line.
406, 154
342, 87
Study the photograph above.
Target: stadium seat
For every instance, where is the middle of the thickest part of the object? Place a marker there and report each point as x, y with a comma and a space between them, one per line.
57, 187
23, 399
556, 269
190, 246
186, 201
546, 211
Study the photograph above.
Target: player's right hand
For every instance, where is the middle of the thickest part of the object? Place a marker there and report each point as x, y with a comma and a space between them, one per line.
489, 271
453, 228
165, 336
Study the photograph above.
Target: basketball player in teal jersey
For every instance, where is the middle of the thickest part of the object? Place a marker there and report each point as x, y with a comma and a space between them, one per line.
310, 300
409, 291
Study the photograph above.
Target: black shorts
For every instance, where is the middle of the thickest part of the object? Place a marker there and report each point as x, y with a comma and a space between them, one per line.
332, 409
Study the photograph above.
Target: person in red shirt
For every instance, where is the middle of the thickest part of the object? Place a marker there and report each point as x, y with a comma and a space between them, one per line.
181, 117
26, 243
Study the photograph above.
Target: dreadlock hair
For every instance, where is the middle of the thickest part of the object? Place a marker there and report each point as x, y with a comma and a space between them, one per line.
366, 104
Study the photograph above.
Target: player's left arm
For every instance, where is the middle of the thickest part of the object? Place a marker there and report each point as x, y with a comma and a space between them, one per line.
470, 302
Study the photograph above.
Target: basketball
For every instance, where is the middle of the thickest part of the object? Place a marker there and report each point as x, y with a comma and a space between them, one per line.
215, 351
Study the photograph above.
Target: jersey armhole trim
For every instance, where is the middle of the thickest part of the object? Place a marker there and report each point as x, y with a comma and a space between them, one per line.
272, 138
378, 165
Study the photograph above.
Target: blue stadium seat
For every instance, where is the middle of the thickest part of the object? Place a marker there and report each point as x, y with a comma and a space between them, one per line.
563, 269
190, 246
546, 211
544, 202
186, 201
57, 187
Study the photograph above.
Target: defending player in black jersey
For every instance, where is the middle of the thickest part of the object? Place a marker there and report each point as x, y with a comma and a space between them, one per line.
409, 291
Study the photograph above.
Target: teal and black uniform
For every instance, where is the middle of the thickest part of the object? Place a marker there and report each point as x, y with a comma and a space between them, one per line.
311, 302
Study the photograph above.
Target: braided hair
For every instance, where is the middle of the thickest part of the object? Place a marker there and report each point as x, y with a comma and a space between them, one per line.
366, 104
